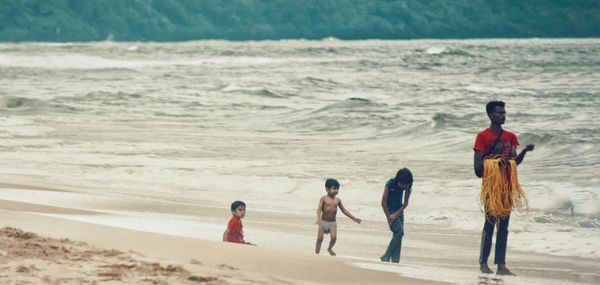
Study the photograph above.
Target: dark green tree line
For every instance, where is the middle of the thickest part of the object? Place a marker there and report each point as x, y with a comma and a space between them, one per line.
175, 20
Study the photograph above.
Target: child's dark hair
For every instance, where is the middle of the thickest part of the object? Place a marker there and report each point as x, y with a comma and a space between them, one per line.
491, 106
404, 175
236, 205
332, 183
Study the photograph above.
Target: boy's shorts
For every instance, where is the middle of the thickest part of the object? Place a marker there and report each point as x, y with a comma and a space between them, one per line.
327, 226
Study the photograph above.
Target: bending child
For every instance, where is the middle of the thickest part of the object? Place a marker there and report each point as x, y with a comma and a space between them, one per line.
394, 207
326, 213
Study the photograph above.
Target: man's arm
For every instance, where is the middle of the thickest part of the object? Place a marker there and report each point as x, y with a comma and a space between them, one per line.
521, 155
347, 213
478, 163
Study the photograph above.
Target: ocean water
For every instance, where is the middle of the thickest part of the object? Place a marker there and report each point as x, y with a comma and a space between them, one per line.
208, 122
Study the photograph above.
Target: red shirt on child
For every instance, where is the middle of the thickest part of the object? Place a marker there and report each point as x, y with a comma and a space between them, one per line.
236, 231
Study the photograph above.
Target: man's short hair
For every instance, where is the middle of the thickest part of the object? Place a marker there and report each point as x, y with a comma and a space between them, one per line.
404, 175
236, 205
332, 183
491, 106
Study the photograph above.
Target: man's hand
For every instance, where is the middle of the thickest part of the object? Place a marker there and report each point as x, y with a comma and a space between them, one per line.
521, 155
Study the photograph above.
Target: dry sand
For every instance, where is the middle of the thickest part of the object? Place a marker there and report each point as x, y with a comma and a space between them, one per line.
69, 252
31, 259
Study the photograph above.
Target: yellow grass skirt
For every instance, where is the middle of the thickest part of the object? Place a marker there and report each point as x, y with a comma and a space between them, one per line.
500, 188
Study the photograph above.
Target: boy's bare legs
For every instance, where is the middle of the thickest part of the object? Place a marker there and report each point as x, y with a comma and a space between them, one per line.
320, 234
333, 235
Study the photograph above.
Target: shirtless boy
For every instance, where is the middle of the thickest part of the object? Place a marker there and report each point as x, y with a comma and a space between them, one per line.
326, 213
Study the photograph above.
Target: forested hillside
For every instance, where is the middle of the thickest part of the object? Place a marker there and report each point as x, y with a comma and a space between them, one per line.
176, 20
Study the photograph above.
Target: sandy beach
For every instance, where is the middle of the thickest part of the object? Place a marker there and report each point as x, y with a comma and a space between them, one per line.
36, 248
43, 243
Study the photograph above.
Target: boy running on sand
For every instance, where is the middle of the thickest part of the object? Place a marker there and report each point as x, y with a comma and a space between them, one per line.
326, 213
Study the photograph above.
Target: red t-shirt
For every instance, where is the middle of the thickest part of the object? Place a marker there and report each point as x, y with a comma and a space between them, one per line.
236, 231
486, 138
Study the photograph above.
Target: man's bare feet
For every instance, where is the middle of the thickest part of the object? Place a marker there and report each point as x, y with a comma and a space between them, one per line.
484, 268
502, 270
331, 251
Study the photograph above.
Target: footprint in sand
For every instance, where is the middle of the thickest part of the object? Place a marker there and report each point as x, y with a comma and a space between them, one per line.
202, 279
484, 280
225, 266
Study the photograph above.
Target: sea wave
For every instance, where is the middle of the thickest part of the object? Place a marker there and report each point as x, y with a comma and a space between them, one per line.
442, 50
449, 121
353, 104
262, 92
21, 104
173, 119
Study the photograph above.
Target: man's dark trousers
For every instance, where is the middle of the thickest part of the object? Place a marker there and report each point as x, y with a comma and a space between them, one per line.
501, 239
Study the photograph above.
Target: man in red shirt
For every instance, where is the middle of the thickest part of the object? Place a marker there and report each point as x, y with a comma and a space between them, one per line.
495, 141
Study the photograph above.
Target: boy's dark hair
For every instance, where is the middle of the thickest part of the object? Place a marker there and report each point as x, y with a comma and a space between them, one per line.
491, 106
332, 183
404, 175
236, 205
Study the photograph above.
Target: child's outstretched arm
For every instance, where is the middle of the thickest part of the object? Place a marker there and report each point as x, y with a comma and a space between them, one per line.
320, 211
348, 213
243, 241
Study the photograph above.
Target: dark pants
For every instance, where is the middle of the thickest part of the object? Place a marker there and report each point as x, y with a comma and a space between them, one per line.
501, 240
393, 250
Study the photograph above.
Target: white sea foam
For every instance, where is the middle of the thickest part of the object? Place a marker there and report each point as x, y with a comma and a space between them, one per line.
163, 224
22, 127
444, 273
436, 50
67, 61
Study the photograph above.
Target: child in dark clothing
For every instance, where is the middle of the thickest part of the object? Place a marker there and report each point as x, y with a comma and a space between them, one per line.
393, 207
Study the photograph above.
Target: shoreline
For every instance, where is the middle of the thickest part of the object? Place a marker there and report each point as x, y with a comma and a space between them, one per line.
429, 252
236, 264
